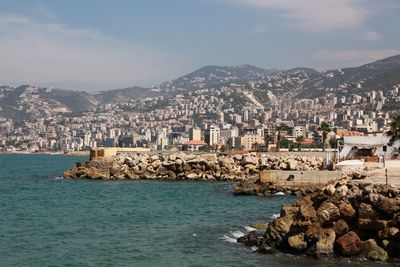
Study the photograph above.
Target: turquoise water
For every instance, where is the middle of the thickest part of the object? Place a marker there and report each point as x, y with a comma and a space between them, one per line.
45, 221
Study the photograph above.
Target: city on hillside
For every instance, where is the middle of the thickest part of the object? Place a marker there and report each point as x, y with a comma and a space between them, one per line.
209, 110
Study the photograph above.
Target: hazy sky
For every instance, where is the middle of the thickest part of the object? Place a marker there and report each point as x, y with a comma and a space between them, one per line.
96, 44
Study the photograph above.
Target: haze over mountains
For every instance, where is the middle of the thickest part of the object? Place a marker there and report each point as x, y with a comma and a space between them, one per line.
20, 102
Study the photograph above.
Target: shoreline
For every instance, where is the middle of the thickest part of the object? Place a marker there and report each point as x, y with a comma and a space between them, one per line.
73, 153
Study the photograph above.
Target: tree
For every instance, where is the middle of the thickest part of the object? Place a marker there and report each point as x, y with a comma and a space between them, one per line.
325, 128
299, 140
279, 129
394, 131
267, 139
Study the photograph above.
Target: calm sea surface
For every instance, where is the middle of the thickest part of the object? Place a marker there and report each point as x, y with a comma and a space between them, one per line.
47, 221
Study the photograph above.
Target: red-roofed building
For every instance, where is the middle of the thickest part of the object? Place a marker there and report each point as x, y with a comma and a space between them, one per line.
350, 133
194, 145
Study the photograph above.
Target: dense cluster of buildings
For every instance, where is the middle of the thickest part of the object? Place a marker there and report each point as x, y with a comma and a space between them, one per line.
223, 118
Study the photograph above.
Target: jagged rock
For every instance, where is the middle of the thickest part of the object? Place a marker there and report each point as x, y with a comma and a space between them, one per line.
277, 230
330, 189
393, 248
289, 211
260, 226
328, 212
250, 160
251, 239
307, 212
338, 221
297, 242
341, 227
341, 191
346, 211
325, 243
373, 252
365, 211
388, 233
266, 249
292, 164
387, 205
192, 176
349, 244
371, 225
283, 166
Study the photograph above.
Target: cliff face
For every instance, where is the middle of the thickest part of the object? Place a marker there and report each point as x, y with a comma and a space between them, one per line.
345, 218
189, 166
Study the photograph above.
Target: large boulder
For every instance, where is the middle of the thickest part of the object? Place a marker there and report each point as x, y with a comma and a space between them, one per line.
371, 225
325, 244
251, 239
365, 211
277, 230
328, 212
250, 160
297, 243
341, 227
347, 212
388, 206
349, 244
307, 212
373, 252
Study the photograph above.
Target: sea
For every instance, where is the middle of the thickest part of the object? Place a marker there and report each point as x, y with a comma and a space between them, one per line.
49, 221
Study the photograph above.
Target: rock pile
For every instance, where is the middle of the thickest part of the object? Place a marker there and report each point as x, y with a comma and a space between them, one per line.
249, 187
345, 218
189, 166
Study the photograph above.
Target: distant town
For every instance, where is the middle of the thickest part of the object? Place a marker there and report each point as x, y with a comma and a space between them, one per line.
218, 119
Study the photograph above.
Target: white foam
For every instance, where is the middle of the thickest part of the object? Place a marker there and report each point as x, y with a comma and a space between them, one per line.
274, 216
254, 248
229, 239
194, 234
249, 229
58, 178
279, 194
237, 234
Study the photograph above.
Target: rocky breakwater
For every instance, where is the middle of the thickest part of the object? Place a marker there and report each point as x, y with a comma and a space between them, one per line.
346, 218
180, 166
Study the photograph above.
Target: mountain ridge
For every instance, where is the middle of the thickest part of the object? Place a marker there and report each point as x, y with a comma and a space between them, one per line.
26, 100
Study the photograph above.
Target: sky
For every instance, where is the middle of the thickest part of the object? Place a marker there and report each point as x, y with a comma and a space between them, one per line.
101, 44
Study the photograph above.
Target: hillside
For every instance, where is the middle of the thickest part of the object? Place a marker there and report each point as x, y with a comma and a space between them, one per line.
215, 76
30, 101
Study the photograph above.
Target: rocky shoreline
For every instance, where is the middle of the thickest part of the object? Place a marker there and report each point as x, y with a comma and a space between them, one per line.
181, 166
346, 218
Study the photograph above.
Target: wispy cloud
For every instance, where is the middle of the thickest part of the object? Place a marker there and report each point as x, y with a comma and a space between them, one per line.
351, 58
370, 36
316, 15
51, 53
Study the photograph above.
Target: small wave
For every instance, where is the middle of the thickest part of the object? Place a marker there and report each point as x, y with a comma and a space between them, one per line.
237, 234
249, 229
279, 194
254, 248
58, 178
274, 216
229, 239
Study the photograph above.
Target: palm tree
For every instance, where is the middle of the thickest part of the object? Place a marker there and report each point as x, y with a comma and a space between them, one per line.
279, 130
267, 139
394, 131
325, 128
299, 140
